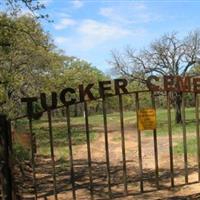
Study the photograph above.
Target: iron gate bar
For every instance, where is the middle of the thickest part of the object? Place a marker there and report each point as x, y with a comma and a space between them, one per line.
184, 139
139, 143
5, 141
13, 186
170, 140
123, 144
88, 149
1, 184
33, 156
197, 133
52, 154
106, 147
70, 152
155, 145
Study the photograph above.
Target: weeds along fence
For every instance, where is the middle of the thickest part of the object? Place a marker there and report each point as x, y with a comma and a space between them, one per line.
41, 158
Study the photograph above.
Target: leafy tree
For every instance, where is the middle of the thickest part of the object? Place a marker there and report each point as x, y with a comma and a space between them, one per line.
27, 58
168, 55
74, 73
30, 64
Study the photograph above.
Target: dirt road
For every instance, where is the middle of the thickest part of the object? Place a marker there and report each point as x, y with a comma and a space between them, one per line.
99, 170
100, 173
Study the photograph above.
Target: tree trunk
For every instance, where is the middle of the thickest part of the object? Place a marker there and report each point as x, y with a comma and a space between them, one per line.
178, 102
63, 112
75, 110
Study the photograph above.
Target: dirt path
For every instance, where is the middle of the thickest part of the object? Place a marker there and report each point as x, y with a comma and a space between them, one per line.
131, 143
99, 170
115, 155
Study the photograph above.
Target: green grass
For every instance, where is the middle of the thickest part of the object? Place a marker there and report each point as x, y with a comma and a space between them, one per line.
20, 152
177, 129
59, 130
162, 122
60, 137
191, 147
40, 128
113, 118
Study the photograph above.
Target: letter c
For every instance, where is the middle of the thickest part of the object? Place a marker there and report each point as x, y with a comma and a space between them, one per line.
63, 96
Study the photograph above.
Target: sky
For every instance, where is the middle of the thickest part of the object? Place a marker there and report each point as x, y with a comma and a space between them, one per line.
91, 29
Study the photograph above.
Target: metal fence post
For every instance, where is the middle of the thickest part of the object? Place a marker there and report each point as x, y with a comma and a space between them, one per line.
5, 142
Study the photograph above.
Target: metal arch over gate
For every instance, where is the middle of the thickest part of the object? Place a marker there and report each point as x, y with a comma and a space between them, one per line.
81, 175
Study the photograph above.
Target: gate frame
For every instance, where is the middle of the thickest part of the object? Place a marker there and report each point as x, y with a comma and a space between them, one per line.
6, 169
6, 142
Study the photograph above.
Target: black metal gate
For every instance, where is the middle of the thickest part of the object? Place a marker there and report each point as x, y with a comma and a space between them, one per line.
80, 175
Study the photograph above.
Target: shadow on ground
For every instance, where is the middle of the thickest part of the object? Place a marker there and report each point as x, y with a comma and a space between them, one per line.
44, 180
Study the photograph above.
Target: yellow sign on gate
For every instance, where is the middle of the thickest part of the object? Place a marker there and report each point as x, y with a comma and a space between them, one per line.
147, 119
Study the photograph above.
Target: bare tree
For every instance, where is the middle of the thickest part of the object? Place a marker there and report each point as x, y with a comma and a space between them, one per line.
168, 55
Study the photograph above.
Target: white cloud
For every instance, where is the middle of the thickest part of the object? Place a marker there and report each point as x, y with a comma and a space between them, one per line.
64, 23
90, 34
117, 24
135, 13
46, 2
94, 33
111, 14
96, 28
139, 6
106, 12
60, 40
77, 3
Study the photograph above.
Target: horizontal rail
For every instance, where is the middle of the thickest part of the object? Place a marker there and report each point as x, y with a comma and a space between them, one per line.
97, 99
78, 102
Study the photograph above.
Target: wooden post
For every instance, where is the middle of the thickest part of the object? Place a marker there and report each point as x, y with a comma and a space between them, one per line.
6, 145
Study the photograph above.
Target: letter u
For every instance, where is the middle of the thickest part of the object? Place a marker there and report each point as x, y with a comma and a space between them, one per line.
43, 99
